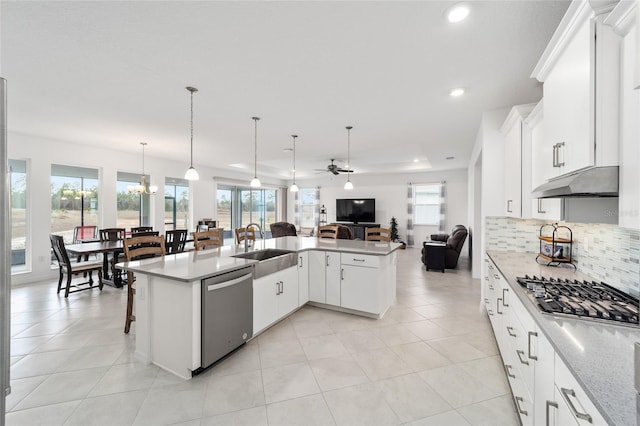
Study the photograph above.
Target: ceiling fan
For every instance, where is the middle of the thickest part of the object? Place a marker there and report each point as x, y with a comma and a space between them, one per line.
334, 168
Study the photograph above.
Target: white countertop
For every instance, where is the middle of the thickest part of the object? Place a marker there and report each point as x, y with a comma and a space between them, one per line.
600, 355
196, 265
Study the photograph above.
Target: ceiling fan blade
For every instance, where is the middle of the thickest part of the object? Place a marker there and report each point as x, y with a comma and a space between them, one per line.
335, 172
345, 171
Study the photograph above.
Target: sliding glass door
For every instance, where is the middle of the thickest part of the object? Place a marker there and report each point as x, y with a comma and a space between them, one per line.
240, 206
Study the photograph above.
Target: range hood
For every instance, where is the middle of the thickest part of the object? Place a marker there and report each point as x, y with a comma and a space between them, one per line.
592, 182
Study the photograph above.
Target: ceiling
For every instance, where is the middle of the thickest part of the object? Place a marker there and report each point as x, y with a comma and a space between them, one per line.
114, 74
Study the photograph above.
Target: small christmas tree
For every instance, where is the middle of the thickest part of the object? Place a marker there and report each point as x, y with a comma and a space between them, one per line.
393, 224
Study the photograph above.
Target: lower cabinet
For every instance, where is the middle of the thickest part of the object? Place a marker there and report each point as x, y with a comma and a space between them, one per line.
274, 296
303, 278
359, 289
324, 277
544, 390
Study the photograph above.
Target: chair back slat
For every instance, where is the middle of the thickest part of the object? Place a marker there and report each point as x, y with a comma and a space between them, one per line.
112, 234
175, 240
60, 251
143, 247
212, 237
377, 234
328, 231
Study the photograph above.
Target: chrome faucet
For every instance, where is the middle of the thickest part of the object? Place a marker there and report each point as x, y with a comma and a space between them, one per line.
246, 248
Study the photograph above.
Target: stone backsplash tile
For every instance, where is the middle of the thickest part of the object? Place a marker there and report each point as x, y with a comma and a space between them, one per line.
612, 255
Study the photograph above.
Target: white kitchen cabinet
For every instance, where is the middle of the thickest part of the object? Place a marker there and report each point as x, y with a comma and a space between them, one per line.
324, 277
303, 278
580, 76
274, 296
544, 391
265, 303
623, 21
359, 288
536, 151
512, 130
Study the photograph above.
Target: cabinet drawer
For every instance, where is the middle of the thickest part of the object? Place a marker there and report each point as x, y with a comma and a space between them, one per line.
360, 260
574, 397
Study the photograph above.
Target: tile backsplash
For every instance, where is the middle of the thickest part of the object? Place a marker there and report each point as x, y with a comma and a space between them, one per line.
612, 254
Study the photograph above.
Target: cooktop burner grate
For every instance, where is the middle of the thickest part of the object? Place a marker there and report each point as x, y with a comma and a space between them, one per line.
585, 299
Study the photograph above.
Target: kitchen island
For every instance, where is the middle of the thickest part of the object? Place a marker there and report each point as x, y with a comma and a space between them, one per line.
347, 275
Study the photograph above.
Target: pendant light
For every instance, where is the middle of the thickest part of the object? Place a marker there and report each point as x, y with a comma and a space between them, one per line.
143, 188
294, 187
192, 173
255, 182
348, 185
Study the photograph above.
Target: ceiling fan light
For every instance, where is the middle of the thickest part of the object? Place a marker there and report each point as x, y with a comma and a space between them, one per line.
294, 188
192, 174
348, 186
255, 183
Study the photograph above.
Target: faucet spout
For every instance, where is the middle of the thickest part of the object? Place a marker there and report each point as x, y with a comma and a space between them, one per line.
257, 225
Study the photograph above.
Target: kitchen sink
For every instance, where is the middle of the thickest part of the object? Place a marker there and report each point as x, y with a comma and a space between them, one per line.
270, 260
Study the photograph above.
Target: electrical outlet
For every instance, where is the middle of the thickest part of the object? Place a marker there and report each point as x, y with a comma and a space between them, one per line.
585, 244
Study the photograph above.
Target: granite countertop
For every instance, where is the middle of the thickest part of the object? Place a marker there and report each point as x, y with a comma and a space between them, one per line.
196, 265
600, 355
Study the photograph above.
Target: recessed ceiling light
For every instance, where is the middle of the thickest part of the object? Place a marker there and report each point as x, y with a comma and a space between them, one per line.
457, 92
415, 160
458, 12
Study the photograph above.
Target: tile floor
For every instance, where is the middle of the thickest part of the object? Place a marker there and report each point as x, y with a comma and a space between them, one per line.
432, 360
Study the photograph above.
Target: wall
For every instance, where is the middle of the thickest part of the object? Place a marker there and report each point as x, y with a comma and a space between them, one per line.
41, 153
611, 253
390, 192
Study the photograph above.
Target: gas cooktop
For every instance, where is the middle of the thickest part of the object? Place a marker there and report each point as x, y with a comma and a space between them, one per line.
584, 299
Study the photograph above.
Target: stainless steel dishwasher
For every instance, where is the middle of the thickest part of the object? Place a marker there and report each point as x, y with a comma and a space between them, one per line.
227, 314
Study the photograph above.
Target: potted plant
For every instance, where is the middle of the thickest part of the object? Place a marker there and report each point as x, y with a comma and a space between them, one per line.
393, 225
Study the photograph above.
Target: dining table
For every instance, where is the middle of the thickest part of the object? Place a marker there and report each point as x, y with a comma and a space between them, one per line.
110, 275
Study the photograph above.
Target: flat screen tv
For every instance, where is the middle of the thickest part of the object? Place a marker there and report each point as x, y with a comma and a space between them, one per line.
356, 210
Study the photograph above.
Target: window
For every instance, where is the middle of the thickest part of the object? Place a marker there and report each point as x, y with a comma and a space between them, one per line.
133, 209
18, 214
176, 204
239, 206
74, 199
426, 201
306, 202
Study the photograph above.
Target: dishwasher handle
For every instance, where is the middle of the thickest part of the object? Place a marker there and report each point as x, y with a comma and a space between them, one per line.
213, 287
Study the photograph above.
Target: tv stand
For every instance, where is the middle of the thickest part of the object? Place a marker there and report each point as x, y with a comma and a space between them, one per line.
357, 229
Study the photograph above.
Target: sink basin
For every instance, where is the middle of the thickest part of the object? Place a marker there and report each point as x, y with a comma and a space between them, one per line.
270, 260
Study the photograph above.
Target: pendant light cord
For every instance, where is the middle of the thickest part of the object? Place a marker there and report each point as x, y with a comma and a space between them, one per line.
349, 153
255, 162
143, 144
294, 158
191, 128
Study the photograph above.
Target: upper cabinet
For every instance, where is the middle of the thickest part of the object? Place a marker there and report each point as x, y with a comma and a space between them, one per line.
580, 72
624, 19
513, 132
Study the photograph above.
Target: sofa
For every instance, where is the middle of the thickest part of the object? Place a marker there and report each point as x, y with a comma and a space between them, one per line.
454, 243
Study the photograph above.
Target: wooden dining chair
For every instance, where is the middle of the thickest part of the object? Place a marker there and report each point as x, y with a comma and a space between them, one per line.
245, 233
328, 231
66, 267
211, 238
175, 240
84, 233
112, 234
377, 234
135, 248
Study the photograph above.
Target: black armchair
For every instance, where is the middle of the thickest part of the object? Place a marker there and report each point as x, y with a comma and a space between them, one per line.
283, 229
454, 242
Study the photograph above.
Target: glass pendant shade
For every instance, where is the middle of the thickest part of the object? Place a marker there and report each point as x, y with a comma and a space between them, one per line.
348, 185
255, 183
143, 187
191, 173
294, 188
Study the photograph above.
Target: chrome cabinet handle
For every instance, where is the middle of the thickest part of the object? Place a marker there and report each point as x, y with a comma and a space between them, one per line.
529, 334
342, 274
540, 209
490, 312
550, 404
508, 367
509, 206
300, 264
496, 276
490, 286
486, 301
509, 330
520, 410
520, 355
277, 288
570, 392
504, 297
555, 155
560, 145
498, 305
281, 287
